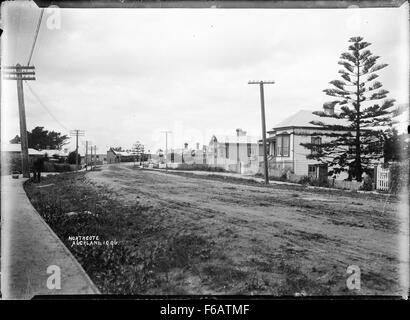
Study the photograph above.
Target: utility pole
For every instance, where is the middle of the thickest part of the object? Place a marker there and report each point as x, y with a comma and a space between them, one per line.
166, 148
91, 158
86, 155
265, 154
76, 133
21, 73
95, 155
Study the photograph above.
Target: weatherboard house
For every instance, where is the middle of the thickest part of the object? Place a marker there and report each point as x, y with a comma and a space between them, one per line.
186, 155
114, 156
286, 154
238, 152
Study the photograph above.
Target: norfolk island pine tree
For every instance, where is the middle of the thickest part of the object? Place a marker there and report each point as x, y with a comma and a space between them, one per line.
365, 123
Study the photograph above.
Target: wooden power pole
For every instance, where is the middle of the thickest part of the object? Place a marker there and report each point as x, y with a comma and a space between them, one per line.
265, 153
76, 133
86, 155
91, 158
95, 155
21, 73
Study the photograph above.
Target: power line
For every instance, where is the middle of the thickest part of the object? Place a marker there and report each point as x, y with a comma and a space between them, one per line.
35, 36
44, 106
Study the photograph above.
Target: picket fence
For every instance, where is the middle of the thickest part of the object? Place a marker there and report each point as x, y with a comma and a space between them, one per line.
382, 178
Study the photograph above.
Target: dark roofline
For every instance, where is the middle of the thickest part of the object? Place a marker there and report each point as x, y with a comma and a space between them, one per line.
112, 150
293, 127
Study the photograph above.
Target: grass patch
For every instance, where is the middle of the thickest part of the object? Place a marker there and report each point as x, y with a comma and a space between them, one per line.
136, 261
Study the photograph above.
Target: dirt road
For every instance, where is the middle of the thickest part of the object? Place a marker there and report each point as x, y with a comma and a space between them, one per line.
267, 240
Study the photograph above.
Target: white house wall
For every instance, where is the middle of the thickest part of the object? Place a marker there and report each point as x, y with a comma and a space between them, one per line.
296, 162
231, 162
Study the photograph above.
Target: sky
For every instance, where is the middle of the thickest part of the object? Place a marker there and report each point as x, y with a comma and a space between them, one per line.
127, 75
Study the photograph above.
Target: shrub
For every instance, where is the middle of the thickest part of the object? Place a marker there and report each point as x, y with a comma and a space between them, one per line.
367, 184
304, 180
48, 166
320, 183
71, 157
399, 173
58, 167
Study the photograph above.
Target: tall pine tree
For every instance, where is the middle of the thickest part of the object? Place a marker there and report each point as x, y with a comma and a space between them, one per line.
356, 139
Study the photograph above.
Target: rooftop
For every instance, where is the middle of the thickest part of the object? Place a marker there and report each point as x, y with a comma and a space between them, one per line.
302, 118
235, 139
123, 153
16, 147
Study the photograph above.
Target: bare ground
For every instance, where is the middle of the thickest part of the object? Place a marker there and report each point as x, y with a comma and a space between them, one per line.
245, 238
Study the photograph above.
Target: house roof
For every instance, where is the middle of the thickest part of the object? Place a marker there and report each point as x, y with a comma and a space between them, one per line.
123, 153
302, 118
16, 147
54, 152
235, 139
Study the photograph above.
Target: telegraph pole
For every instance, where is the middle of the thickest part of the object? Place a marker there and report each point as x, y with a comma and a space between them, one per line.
95, 154
86, 155
76, 133
21, 73
265, 154
91, 158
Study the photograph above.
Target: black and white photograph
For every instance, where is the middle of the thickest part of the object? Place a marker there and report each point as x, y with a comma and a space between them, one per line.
205, 148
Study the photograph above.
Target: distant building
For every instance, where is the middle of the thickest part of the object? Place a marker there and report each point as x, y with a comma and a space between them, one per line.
240, 152
114, 156
187, 155
99, 158
11, 157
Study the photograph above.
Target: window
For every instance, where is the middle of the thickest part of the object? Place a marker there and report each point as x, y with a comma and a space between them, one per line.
317, 141
283, 145
312, 171
272, 150
249, 149
172, 157
227, 150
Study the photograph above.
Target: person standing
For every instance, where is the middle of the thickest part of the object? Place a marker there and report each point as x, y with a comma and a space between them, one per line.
38, 165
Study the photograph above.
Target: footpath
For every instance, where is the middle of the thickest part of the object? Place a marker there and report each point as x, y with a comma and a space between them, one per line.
34, 261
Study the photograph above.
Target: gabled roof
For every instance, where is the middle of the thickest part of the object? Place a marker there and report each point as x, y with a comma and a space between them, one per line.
123, 153
302, 118
16, 147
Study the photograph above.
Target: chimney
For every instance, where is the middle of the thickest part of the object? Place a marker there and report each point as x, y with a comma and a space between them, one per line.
186, 145
240, 132
329, 108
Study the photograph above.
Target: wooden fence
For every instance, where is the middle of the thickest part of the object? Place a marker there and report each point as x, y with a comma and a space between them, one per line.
382, 178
